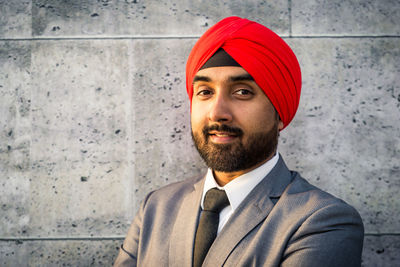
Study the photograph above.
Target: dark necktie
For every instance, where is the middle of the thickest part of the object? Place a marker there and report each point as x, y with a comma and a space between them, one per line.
214, 201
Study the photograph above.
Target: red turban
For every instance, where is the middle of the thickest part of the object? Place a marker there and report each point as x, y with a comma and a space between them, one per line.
261, 52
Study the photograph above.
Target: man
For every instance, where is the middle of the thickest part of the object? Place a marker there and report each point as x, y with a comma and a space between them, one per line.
244, 83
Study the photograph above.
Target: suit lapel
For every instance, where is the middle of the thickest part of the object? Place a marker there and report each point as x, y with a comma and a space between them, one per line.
256, 206
183, 233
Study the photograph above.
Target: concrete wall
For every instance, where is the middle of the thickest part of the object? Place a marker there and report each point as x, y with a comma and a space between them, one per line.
94, 114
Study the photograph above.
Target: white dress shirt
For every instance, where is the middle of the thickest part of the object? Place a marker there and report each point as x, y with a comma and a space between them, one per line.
238, 188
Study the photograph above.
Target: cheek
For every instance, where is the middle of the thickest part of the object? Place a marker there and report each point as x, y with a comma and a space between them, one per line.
256, 118
196, 117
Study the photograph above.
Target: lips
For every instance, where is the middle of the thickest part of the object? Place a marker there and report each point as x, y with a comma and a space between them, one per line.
222, 137
222, 134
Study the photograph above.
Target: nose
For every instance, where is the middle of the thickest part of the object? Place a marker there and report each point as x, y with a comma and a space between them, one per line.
220, 109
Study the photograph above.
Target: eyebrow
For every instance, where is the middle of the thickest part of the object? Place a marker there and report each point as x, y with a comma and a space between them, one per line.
239, 78
244, 77
198, 78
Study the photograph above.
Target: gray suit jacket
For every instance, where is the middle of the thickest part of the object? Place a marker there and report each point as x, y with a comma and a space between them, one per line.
284, 221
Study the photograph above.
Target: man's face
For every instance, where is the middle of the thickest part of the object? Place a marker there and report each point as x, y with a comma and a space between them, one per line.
234, 125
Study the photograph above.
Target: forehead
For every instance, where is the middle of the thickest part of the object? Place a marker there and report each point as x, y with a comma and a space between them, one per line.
215, 74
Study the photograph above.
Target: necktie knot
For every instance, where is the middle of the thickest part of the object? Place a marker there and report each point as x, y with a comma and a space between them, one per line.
215, 200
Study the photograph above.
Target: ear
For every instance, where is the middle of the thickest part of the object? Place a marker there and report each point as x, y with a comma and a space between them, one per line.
280, 125
278, 118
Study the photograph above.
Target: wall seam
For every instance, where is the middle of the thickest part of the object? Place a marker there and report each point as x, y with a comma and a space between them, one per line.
16, 239
190, 37
290, 17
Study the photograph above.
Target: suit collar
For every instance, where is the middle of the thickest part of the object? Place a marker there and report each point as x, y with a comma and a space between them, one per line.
278, 179
257, 205
241, 186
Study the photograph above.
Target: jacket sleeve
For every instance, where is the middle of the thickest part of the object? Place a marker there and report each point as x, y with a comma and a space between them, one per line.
331, 236
128, 252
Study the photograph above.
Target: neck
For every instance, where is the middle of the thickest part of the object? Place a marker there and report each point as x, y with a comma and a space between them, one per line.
222, 178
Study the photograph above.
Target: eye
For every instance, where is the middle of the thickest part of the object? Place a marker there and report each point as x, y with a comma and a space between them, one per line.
204, 92
244, 93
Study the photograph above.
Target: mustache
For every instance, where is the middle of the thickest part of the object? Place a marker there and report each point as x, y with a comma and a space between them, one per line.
222, 128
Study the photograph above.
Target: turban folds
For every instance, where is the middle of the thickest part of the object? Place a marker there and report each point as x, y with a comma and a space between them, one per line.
261, 52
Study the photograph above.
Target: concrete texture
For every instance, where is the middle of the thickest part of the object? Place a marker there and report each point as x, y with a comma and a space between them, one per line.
381, 251
58, 253
94, 115
349, 17
15, 136
15, 18
135, 17
80, 115
162, 124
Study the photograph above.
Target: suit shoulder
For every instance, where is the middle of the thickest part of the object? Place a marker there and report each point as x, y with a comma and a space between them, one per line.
174, 191
324, 230
314, 198
179, 186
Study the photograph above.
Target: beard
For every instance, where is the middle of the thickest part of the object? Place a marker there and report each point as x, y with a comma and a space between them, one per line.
236, 156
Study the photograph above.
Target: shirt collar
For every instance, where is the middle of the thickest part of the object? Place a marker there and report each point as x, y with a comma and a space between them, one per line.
240, 187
